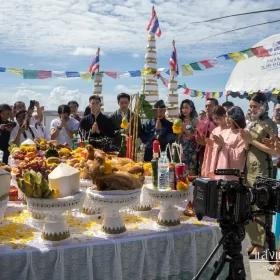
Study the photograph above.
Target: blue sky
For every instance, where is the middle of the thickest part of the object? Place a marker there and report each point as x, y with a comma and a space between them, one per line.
64, 35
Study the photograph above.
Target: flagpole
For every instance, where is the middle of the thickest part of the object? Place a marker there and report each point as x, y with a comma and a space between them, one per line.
98, 50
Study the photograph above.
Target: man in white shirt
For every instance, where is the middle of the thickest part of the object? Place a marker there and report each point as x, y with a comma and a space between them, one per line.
23, 130
64, 127
43, 133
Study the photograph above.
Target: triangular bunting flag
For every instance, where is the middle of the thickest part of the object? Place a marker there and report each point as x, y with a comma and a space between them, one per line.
59, 74
236, 57
72, 74
248, 52
225, 56
113, 75
15, 71
206, 63
187, 70
2, 69
42, 74
260, 52
195, 66
215, 94
193, 93
86, 76
148, 71
30, 74
122, 75
136, 73
275, 91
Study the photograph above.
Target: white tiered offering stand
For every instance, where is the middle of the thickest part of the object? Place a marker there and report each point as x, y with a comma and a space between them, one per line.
3, 206
168, 215
55, 228
112, 202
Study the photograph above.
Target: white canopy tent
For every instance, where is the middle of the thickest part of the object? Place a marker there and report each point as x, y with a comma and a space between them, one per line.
255, 74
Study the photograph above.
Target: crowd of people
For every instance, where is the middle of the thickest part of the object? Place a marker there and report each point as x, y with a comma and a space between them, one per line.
219, 137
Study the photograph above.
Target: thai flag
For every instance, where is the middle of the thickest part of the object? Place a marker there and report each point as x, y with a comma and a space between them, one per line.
153, 25
95, 63
173, 62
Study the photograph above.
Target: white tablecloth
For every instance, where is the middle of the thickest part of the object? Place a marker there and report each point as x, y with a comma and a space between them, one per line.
145, 252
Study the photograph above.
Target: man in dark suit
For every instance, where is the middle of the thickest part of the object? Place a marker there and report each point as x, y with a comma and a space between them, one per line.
159, 127
117, 116
96, 125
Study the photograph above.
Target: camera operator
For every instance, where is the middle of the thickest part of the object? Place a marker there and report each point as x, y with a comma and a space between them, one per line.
258, 160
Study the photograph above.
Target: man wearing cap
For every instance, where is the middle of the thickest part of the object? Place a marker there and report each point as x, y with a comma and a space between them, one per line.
160, 128
96, 125
117, 117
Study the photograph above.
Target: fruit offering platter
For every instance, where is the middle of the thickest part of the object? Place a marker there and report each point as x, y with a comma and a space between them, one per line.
168, 215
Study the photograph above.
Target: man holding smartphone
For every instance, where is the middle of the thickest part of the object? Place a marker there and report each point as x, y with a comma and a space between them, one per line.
19, 106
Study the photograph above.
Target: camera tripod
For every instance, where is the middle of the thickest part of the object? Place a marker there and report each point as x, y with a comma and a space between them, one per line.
233, 235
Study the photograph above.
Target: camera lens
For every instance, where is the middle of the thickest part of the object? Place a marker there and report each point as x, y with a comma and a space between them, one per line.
262, 197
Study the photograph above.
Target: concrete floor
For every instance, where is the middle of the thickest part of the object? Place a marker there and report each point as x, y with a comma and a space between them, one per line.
259, 271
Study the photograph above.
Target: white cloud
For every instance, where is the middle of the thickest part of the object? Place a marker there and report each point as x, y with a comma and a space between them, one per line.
61, 95
35, 87
136, 55
86, 52
55, 28
27, 95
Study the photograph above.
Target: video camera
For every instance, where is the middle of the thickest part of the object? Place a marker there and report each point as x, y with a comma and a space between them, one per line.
232, 200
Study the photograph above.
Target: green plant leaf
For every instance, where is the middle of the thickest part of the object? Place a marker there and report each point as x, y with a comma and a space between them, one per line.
145, 107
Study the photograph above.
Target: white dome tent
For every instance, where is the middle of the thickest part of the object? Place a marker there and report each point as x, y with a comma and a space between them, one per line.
257, 74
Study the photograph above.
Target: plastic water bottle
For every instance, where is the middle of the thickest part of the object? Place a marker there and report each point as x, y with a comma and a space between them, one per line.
1, 155
163, 172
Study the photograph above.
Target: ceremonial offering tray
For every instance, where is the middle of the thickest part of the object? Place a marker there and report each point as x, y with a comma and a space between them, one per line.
89, 208
111, 203
148, 179
3, 206
85, 184
146, 202
168, 215
55, 227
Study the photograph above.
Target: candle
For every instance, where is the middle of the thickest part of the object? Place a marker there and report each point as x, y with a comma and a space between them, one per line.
156, 147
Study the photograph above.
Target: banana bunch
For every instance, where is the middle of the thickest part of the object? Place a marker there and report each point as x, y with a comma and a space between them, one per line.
33, 185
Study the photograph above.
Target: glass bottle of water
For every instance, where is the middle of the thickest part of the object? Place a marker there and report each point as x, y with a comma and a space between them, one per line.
163, 172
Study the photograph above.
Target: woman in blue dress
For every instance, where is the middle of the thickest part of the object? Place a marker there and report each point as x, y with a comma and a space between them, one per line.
189, 118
